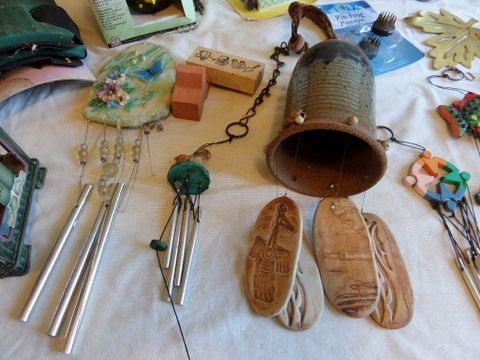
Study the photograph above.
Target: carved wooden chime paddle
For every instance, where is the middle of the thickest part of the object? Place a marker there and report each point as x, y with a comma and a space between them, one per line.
272, 260
395, 305
345, 257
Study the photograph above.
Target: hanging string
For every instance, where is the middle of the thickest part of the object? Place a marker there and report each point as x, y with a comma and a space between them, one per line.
464, 221
430, 81
173, 306
476, 140
391, 138
297, 149
363, 201
147, 129
179, 325
136, 156
455, 247
342, 164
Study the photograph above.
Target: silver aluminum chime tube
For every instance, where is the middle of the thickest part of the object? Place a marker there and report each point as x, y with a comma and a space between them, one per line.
92, 269
83, 274
181, 245
70, 224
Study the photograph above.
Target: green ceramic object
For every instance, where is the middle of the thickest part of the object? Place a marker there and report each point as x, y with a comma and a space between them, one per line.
133, 88
191, 177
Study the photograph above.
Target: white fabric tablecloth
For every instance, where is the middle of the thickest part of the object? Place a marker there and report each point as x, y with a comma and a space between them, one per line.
126, 317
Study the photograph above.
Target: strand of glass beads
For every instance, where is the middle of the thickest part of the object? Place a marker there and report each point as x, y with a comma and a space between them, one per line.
110, 169
83, 153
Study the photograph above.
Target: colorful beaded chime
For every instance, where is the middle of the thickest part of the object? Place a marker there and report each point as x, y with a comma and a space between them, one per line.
445, 187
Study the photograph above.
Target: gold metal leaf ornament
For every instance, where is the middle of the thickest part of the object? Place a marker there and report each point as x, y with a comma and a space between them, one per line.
458, 42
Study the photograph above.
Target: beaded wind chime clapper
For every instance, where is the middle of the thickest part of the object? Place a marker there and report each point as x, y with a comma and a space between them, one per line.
446, 188
132, 92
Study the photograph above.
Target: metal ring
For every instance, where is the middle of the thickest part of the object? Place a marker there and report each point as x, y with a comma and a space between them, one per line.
242, 132
389, 131
453, 74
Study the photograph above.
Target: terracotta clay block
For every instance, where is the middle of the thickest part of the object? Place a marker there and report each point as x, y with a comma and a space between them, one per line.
227, 70
272, 260
190, 91
345, 257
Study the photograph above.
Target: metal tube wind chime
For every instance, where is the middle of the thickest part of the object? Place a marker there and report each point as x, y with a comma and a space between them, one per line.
188, 178
83, 274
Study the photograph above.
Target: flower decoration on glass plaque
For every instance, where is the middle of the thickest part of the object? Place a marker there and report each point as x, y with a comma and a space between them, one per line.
133, 91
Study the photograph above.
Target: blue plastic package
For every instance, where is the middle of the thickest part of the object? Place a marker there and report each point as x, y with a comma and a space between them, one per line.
353, 22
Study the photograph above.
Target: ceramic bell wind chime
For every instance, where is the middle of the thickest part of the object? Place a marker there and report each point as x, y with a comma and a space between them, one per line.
327, 148
133, 90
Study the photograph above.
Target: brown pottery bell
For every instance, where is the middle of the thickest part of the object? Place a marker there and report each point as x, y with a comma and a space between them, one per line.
327, 146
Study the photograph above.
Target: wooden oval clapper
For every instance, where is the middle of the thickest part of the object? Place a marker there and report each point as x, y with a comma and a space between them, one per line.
333, 153
395, 306
345, 256
306, 298
273, 256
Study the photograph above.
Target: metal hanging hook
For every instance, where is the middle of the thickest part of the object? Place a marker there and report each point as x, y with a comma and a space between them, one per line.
455, 74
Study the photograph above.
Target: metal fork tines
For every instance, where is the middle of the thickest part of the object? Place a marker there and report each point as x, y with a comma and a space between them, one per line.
385, 24
370, 46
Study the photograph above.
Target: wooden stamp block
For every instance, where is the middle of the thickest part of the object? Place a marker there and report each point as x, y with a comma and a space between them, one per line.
345, 257
272, 260
395, 306
227, 70
190, 91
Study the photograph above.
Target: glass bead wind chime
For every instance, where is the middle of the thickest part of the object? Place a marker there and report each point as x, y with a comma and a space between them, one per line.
112, 165
133, 90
